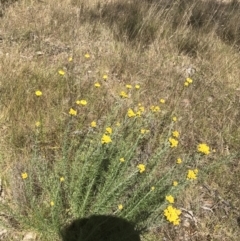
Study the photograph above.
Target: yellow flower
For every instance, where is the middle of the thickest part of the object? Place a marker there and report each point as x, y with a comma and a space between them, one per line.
170, 198
137, 87
81, 102
131, 113
97, 85
192, 174
106, 139
61, 72
141, 168
144, 131
175, 134
155, 108
72, 112
186, 83
152, 188
105, 77
93, 124
203, 148
87, 56
179, 161
128, 86
70, 59
120, 207
173, 142
52, 203
123, 94
174, 119
38, 93
118, 124
24, 175
175, 183
62, 179
162, 101
189, 80
38, 123
109, 130
122, 159
172, 215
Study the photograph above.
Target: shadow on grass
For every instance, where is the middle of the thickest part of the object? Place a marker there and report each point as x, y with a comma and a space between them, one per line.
100, 228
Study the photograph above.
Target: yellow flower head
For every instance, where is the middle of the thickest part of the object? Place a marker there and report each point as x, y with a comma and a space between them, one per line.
131, 113
170, 198
173, 142
87, 56
162, 101
137, 87
155, 108
61, 72
118, 124
179, 161
141, 168
174, 119
105, 77
192, 174
175, 183
38, 93
24, 175
52, 203
62, 179
203, 148
93, 124
109, 130
106, 139
172, 215
120, 207
144, 131
189, 80
123, 94
70, 59
122, 159
152, 188
186, 84
38, 123
81, 102
97, 85
175, 134
129, 86
72, 112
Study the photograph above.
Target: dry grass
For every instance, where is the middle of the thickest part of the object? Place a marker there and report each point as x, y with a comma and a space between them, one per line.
151, 43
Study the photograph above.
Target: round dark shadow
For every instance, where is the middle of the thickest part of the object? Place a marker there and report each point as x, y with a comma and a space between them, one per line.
100, 228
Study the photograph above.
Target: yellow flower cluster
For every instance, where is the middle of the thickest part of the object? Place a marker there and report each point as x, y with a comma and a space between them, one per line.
93, 124
123, 94
144, 131
203, 148
155, 108
81, 102
141, 168
179, 161
106, 139
187, 82
173, 142
172, 215
72, 112
24, 175
170, 198
192, 174
175, 134
38, 93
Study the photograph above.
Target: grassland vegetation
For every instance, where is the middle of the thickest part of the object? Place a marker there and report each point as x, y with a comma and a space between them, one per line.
122, 108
